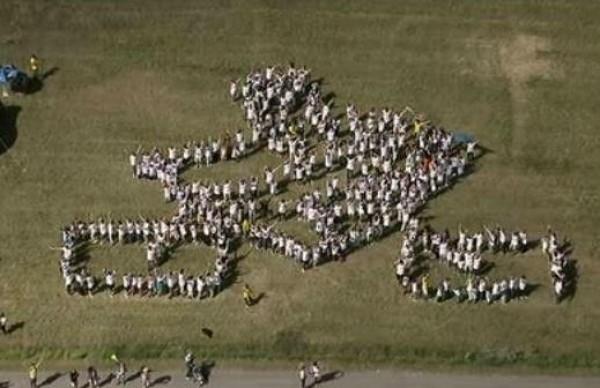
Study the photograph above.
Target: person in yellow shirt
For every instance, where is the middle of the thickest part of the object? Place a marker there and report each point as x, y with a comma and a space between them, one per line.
120, 374
418, 126
425, 286
246, 227
33, 372
35, 66
248, 295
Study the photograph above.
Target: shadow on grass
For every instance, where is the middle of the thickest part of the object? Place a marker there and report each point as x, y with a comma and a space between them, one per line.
82, 254
533, 244
256, 300
8, 127
329, 97
16, 326
531, 287
35, 85
486, 268
572, 274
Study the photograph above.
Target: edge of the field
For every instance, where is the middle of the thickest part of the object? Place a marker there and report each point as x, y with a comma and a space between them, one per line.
167, 358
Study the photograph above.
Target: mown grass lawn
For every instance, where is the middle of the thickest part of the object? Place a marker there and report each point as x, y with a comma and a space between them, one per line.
521, 76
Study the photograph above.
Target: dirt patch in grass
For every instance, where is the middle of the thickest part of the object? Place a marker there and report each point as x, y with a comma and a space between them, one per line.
522, 60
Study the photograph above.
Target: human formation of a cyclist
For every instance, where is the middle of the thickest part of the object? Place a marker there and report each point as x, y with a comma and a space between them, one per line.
357, 176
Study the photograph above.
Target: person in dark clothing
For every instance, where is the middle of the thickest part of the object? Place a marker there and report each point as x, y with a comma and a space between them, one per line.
74, 378
92, 377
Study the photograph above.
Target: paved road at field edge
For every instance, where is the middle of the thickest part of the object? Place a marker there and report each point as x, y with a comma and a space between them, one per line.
232, 378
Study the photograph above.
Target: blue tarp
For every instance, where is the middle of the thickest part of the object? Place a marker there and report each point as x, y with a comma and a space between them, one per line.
462, 138
8, 73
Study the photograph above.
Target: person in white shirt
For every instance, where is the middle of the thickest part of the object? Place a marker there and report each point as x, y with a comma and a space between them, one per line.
4, 324
233, 90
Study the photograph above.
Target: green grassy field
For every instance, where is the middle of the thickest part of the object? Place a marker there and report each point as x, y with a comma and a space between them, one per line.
522, 76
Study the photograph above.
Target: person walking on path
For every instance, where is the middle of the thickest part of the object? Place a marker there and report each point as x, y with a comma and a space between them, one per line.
92, 377
74, 378
121, 371
302, 375
315, 371
189, 365
33, 373
145, 377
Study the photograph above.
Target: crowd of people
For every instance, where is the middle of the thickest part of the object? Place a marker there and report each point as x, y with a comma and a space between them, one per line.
563, 271
216, 214
93, 378
394, 163
195, 372
474, 289
463, 254
159, 237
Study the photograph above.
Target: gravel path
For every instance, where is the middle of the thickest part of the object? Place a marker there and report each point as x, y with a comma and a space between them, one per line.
232, 378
